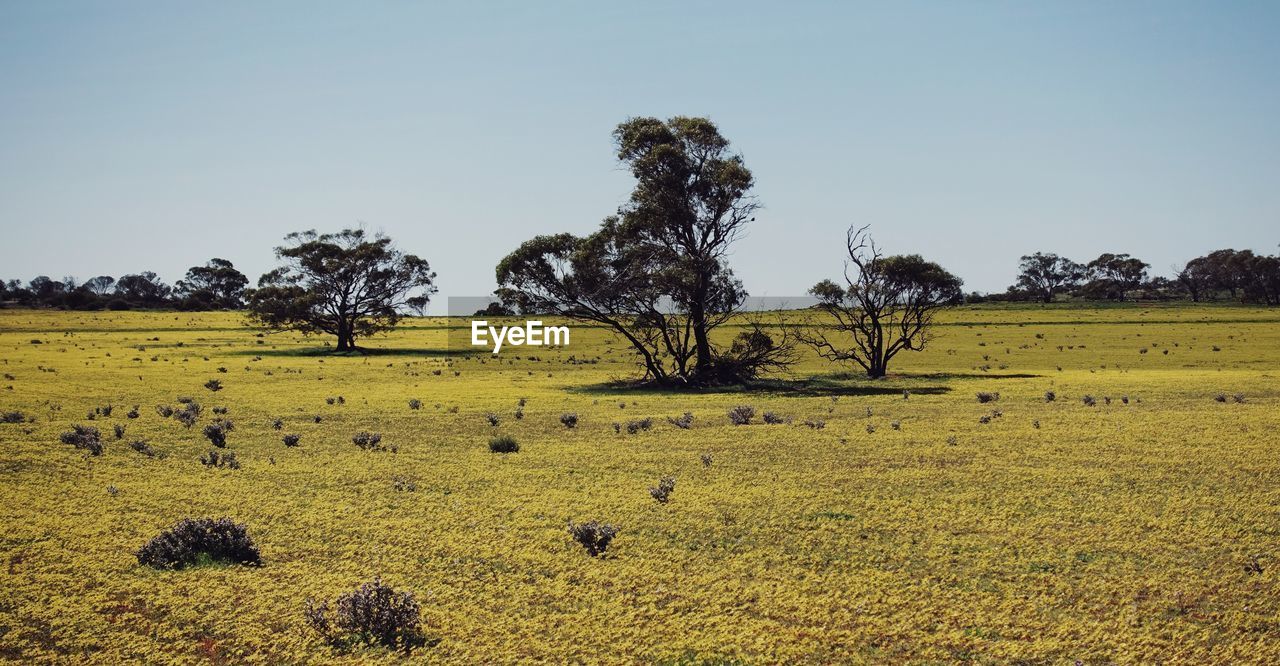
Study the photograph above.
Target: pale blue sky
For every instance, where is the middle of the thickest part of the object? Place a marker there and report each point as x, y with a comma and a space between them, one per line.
154, 135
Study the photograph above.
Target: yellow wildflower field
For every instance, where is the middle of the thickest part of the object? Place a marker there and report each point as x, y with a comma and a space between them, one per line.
916, 525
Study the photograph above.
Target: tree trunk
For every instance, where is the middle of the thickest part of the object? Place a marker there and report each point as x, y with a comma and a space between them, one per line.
346, 340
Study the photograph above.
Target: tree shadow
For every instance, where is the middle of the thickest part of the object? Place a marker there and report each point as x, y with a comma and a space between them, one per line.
330, 352
786, 388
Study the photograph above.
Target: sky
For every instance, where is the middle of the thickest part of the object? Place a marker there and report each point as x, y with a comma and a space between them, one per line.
155, 135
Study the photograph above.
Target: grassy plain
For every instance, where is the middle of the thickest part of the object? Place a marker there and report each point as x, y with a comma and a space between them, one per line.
1054, 533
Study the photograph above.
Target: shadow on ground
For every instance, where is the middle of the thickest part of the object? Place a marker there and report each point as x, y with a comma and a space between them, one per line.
329, 352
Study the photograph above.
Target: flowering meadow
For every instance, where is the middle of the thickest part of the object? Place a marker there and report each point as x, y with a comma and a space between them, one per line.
1042, 485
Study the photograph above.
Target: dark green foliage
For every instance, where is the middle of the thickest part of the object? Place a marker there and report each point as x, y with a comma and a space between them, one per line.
195, 540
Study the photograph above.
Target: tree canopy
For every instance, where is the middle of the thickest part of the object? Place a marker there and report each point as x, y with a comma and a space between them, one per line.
346, 284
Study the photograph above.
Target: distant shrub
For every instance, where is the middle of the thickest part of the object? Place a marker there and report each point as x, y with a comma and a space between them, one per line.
684, 421
277, 424
13, 417
213, 385
118, 429
706, 459
1089, 401
492, 419
330, 401
871, 429
569, 420
639, 425
317, 418
189, 414
369, 441
773, 419
1124, 399
816, 424
742, 414
185, 399
165, 411
226, 459
105, 410
372, 614
83, 437
133, 413
1221, 397
984, 419
216, 432
951, 440
1050, 396
142, 447
404, 484
199, 540
220, 410
1238, 397
291, 440
593, 535
896, 425
662, 491
415, 404
985, 397
519, 414
504, 444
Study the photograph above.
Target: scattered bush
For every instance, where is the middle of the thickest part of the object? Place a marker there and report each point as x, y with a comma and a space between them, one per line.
706, 459
216, 432
1239, 398
742, 414
519, 413
816, 424
372, 614
13, 417
291, 440
213, 385
118, 429
225, 459
189, 414
492, 419
662, 492
197, 541
985, 397
773, 419
165, 411
1050, 396
220, 410
593, 536
1221, 397
684, 421
638, 425
142, 447
369, 441
404, 484
1089, 401
83, 437
415, 404
504, 444
133, 413
896, 425
277, 424
185, 399
569, 420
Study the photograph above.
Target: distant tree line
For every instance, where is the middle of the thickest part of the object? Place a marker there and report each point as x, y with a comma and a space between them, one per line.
1222, 275
215, 286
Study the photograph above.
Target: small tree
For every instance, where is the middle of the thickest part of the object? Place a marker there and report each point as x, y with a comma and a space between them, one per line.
887, 306
217, 284
344, 284
1045, 275
1112, 275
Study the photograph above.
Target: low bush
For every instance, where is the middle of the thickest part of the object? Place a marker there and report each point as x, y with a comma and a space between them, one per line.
142, 447
742, 414
662, 491
216, 432
639, 425
773, 419
213, 385
372, 614
569, 420
13, 417
593, 535
369, 441
197, 541
291, 440
83, 437
504, 444
985, 397
684, 421
226, 459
